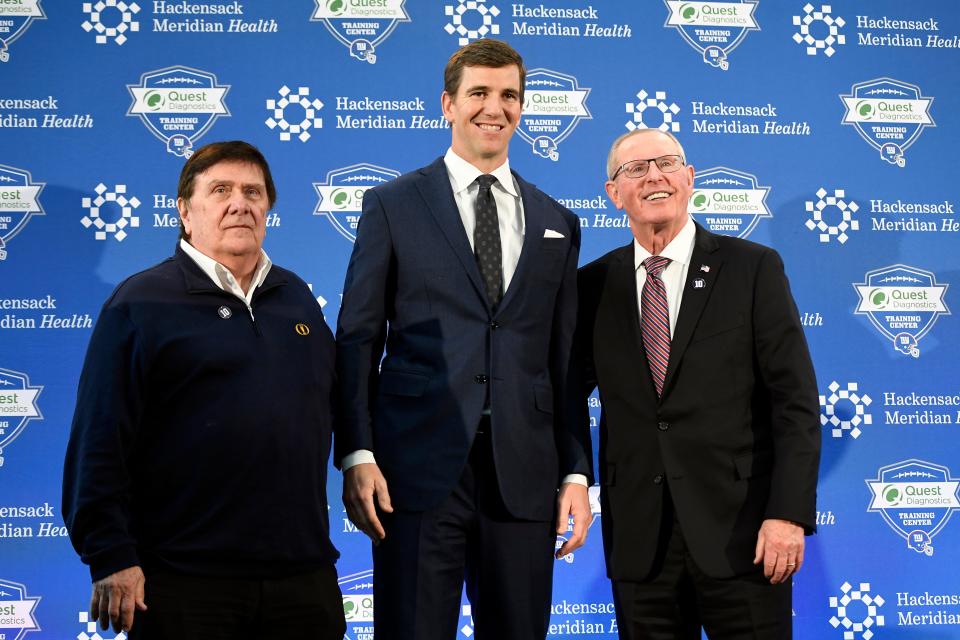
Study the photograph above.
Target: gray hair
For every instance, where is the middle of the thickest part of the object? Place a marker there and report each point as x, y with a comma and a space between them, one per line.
612, 156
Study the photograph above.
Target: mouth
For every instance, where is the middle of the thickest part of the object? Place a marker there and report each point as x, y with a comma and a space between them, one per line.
485, 126
657, 195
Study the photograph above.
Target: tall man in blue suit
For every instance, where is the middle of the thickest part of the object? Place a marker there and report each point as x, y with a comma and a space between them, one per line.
453, 448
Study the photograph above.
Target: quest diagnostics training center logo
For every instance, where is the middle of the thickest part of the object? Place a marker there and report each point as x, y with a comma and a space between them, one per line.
889, 114
714, 29
360, 26
178, 105
728, 202
916, 499
15, 19
18, 406
553, 105
18, 203
341, 195
18, 610
903, 303
357, 590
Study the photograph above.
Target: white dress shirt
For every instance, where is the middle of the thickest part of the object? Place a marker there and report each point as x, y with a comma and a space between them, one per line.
506, 193
679, 250
222, 277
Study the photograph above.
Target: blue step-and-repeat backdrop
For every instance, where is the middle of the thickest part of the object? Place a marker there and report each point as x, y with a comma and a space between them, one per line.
828, 131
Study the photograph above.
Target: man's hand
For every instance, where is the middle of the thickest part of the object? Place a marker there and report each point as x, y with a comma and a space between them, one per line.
360, 484
780, 548
573, 501
116, 597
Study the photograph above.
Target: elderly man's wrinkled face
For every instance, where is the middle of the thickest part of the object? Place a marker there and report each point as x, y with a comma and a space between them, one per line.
226, 215
658, 199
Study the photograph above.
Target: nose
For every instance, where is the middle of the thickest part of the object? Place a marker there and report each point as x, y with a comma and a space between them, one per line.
238, 202
654, 172
492, 105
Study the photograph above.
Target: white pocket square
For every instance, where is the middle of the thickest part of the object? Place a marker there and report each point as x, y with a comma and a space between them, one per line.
550, 233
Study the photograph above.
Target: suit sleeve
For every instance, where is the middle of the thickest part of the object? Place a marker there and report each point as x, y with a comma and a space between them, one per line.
362, 327
96, 477
572, 433
790, 383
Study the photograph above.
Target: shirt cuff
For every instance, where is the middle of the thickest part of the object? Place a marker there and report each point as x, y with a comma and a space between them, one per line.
360, 456
573, 478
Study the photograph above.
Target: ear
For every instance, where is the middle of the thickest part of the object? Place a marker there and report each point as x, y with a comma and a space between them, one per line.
689, 169
613, 193
446, 104
184, 215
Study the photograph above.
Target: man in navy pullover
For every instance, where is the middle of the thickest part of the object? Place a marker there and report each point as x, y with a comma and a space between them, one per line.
195, 476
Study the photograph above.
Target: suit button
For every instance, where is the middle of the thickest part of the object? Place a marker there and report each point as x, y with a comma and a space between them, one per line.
663, 426
480, 379
658, 479
494, 325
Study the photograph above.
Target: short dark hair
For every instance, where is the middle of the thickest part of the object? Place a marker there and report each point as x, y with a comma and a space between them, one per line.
214, 153
481, 53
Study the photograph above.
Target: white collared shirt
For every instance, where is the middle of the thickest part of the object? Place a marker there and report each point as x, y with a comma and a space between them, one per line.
222, 277
506, 194
679, 250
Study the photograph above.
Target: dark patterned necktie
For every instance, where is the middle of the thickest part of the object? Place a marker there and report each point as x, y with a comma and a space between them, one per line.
486, 241
655, 320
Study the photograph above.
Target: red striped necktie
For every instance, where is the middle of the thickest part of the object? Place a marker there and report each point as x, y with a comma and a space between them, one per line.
655, 320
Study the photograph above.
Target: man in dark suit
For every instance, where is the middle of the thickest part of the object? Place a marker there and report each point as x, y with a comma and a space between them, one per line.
710, 442
455, 445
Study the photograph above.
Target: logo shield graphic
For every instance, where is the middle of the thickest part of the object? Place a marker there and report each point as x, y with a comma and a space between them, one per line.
19, 609
341, 195
728, 202
15, 19
178, 105
903, 303
888, 114
357, 590
20, 406
360, 28
18, 193
916, 499
553, 105
714, 29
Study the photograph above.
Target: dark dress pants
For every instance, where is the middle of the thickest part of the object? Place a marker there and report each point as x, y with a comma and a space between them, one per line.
421, 566
184, 607
677, 599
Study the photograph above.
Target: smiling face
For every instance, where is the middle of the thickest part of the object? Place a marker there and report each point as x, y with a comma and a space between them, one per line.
657, 202
483, 114
225, 217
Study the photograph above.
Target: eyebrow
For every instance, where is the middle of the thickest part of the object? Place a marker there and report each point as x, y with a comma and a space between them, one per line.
483, 87
225, 181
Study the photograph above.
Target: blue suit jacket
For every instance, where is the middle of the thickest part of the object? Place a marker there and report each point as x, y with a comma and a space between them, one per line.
413, 285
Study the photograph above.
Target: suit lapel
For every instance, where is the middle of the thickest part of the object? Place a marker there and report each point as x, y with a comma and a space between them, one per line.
704, 268
622, 297
534, 224
435, 190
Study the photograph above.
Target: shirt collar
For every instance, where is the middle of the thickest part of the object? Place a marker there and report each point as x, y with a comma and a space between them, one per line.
679, 250
219, 274
464, 174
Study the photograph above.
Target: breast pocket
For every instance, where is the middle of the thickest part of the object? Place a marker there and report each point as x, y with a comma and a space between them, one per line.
712, 328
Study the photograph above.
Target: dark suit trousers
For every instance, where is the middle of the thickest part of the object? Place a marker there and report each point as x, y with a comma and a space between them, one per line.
302, 607
677, 598
421, 566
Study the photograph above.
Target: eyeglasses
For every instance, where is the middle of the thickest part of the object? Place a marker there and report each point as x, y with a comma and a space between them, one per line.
639, 168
